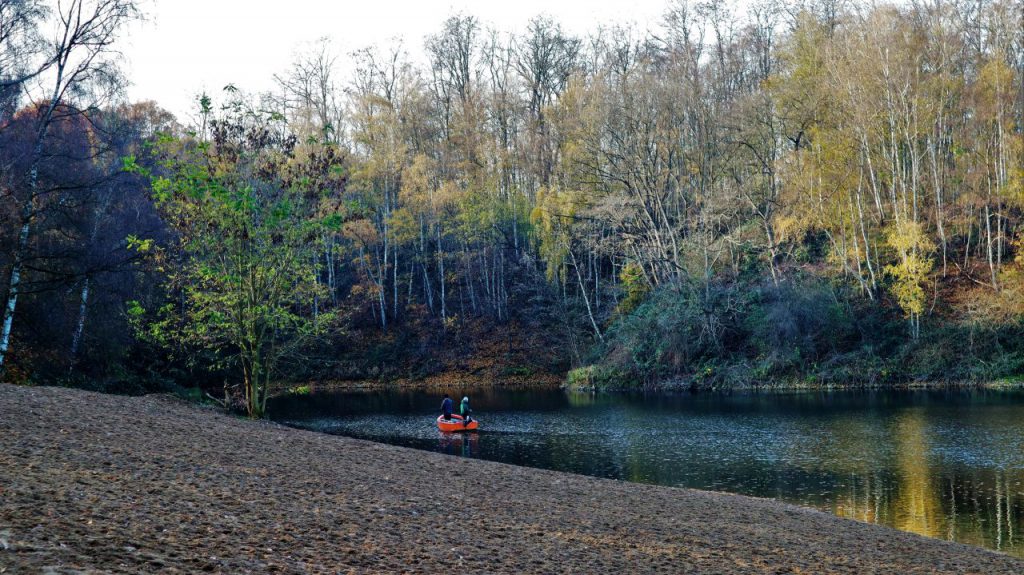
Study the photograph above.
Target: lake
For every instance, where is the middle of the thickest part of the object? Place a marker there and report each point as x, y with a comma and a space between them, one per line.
947, 464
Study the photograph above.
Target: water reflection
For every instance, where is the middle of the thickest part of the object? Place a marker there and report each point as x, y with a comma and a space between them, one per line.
464, 444
942, 464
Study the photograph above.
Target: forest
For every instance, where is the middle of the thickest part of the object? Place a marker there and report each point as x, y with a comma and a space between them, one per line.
813, 192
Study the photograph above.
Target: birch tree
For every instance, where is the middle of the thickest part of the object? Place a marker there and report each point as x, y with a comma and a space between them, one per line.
82, 73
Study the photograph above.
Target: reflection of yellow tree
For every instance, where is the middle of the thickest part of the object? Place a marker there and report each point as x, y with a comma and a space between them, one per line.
918, 508
915, 503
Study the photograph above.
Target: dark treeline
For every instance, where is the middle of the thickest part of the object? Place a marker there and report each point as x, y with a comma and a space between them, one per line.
789, 190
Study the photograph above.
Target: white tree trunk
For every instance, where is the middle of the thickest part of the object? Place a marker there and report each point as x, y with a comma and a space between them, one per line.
83, 307
12, 291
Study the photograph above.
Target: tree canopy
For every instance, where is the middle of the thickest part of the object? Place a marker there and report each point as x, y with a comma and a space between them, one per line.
791, 190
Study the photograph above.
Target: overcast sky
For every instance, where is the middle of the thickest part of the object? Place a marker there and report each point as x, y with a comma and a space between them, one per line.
187, 46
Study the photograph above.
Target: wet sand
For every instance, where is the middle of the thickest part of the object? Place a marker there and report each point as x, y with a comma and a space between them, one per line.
94, 483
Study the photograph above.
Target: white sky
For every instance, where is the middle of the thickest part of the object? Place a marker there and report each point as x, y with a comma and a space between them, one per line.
188, 46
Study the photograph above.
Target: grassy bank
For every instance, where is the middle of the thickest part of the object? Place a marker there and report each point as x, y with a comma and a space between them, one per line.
805, 333
600, 378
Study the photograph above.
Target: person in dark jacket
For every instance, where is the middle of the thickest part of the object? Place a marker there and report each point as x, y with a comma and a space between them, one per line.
446, 408
464, 411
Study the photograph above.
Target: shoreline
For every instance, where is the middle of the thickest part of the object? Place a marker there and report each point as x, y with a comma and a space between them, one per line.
785, 387
444, 383
155, 484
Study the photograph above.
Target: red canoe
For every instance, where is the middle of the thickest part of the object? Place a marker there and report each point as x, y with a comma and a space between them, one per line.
455, 424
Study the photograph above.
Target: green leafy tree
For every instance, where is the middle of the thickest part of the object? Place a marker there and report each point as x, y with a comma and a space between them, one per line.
249, 220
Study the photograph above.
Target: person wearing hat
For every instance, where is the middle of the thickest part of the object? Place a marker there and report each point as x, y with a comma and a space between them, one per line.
464, 411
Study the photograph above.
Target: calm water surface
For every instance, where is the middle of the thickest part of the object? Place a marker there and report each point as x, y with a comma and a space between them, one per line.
947, 464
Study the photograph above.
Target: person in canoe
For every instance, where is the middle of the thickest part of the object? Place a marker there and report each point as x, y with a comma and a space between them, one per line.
464, 411
446, 408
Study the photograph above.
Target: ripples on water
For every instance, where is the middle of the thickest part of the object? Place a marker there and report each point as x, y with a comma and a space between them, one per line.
943, 464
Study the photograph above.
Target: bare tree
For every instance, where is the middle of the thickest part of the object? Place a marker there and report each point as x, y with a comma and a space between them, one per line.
20, 47
545, 59
310, 92
452, 54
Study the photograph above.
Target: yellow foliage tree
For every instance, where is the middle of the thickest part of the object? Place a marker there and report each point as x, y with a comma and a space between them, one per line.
910, 272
